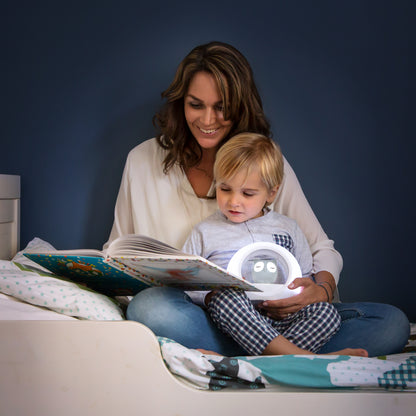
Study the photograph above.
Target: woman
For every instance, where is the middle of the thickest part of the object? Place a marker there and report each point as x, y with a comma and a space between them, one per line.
167, 188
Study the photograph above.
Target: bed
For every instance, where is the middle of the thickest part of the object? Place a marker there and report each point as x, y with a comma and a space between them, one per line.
66, 350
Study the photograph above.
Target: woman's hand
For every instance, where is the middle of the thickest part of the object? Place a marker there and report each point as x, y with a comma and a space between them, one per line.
311, 293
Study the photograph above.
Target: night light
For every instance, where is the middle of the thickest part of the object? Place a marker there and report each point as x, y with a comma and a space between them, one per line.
269, 267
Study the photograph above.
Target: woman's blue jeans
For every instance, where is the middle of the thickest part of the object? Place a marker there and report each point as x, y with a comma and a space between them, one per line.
379, 328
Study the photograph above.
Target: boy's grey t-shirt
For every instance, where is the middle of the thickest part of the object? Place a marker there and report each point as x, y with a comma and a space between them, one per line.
217, 239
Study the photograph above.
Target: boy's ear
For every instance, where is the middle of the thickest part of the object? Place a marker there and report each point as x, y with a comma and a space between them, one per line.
272, 194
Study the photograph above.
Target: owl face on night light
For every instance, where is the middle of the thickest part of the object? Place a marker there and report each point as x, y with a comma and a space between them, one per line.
263, 270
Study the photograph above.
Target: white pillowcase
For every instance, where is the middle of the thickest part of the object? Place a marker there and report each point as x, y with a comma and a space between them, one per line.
27, 281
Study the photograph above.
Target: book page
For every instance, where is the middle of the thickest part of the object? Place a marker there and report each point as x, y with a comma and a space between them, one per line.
187, 273
140, 245
76, 252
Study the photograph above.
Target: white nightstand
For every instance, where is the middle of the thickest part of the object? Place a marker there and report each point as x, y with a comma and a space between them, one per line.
9, 216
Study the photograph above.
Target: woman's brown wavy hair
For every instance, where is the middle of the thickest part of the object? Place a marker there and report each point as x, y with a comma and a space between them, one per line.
241, 101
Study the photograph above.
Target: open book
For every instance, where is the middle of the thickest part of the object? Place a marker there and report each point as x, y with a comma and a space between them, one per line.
134, 262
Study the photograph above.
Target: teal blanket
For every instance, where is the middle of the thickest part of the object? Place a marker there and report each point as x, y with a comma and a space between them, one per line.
213, 372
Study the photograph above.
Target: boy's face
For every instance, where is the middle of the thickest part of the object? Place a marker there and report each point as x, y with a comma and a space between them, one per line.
243, 197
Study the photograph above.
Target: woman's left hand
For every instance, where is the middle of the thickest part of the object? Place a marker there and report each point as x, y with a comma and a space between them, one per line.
280, 309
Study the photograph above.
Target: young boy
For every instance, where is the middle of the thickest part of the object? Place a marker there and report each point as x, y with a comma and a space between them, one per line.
248, 171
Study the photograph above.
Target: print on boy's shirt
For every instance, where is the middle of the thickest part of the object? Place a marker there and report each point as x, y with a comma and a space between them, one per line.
284, 240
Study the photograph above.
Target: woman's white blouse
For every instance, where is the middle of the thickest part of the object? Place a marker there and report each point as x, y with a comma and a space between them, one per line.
165, 207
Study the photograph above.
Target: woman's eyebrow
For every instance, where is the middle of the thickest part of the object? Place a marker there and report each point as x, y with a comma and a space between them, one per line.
193, 97
198, 99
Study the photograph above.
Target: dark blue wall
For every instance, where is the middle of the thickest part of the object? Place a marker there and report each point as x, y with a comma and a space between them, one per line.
80, 82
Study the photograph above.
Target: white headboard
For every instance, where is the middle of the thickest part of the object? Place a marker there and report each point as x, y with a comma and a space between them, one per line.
9, 216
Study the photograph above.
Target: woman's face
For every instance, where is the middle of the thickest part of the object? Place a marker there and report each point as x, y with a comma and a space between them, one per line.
204, 111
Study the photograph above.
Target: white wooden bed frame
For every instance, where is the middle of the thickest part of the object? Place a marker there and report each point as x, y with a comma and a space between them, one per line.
108, 368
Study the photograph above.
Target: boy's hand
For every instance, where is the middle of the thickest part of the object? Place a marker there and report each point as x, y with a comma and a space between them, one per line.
208, 297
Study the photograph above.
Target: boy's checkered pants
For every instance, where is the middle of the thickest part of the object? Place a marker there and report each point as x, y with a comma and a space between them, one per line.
310, 328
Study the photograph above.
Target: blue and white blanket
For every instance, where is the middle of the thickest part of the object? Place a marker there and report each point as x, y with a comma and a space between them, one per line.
213, 372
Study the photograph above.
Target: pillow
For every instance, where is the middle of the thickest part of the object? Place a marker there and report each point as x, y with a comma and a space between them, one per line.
27, 281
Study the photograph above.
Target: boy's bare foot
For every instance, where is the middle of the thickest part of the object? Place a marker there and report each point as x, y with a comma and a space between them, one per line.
207, 352
357, 352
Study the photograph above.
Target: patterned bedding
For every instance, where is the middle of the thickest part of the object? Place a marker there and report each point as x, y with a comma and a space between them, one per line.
212, 372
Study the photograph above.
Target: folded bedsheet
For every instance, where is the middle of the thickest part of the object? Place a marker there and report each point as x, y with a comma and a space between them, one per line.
214, 372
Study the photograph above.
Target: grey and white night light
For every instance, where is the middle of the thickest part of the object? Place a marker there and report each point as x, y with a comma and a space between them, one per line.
267, 266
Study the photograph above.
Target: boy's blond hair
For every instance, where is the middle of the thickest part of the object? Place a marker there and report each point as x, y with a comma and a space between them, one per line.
247, 151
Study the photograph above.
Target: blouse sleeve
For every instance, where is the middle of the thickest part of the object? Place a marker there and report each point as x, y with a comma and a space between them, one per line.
291, 201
